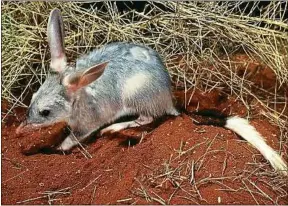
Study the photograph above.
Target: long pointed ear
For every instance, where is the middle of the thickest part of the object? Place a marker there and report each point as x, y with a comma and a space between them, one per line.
82, 78
55, 32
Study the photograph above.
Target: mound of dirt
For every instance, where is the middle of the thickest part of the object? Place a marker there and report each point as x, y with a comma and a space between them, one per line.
38, 139
172, 161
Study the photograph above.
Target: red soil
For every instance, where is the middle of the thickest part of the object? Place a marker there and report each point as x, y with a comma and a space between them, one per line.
148, 165
42, 138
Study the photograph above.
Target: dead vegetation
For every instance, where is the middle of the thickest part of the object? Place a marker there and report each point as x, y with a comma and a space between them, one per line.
197, 42
184, 177
191, 37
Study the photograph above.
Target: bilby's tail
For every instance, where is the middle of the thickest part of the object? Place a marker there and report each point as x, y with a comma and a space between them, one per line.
242, 127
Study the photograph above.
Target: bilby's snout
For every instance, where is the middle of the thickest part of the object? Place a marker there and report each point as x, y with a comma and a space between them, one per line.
21, 127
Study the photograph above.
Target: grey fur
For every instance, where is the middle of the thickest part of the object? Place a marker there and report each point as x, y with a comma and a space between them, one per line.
104, 100
50, 96
134, 81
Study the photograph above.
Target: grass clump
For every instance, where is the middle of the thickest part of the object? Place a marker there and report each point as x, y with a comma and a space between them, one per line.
192, 38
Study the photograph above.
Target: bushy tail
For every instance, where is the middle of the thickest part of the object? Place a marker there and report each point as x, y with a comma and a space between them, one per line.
242, 127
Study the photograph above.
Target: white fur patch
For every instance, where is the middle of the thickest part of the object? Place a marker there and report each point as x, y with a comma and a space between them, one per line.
89, 91
134, 83
140, 53
65, 81
67, 144
123, 125
58, 64
248, 132
33, 97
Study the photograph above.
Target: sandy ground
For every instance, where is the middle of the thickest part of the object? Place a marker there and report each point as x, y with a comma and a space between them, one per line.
172, 161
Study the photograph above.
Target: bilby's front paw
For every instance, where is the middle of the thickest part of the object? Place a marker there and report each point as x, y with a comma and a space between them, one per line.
67, 144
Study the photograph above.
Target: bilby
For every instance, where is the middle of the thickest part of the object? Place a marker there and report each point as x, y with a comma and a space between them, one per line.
116, 80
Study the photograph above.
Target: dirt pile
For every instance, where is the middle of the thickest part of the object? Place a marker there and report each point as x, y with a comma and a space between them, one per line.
39, 139
172, 161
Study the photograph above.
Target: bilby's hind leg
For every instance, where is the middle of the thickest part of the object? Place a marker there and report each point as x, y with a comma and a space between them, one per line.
142, 120
173, 112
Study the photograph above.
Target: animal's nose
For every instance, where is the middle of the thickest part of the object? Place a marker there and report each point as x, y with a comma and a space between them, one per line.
20, 127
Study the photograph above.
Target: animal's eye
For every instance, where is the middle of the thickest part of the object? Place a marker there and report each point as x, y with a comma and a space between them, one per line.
44, 113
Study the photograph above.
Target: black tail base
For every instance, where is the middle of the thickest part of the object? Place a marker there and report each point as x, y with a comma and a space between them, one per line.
207, 117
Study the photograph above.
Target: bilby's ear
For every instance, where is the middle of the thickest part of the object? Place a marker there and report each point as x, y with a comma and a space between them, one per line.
82, 78
55, 33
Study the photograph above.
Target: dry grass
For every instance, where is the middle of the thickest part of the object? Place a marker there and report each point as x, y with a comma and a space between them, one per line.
200, 36
185, 175
191, 37
50, 196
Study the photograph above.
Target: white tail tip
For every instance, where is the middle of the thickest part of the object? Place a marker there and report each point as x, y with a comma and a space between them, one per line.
242, 127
